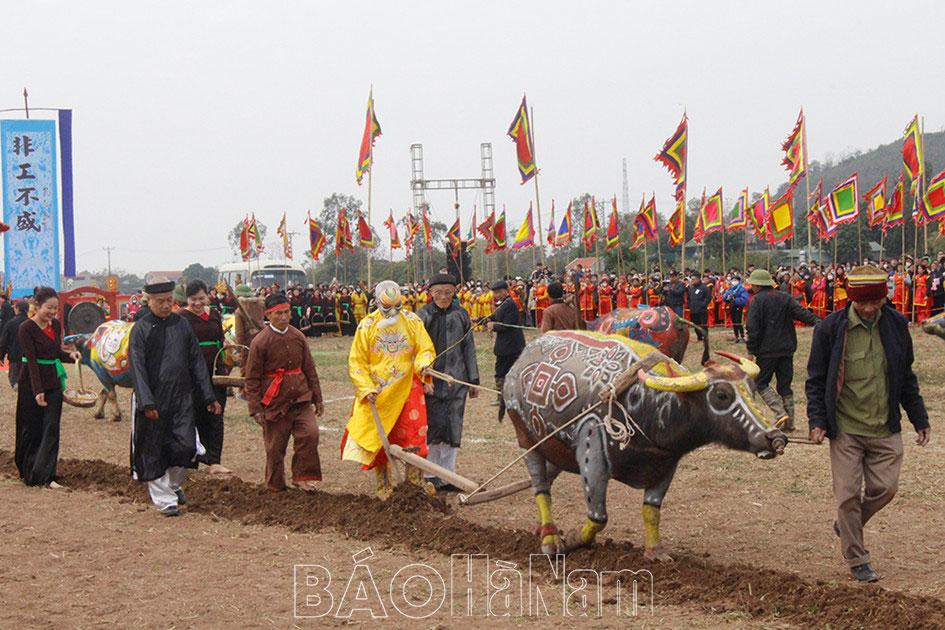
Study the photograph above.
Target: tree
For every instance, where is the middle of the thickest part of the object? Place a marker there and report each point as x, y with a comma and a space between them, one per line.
196, 271
233, 238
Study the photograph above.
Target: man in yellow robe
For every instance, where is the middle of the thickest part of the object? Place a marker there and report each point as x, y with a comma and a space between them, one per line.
359, 302
390, 352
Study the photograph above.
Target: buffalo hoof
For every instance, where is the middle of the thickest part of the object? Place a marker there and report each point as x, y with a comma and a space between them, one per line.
575, 540
552, 543
657, 553
99, 415
116, 418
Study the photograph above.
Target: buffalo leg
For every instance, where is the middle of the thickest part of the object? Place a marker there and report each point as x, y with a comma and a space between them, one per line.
116, 410
99, 412
594, 478
652, 502
543, 474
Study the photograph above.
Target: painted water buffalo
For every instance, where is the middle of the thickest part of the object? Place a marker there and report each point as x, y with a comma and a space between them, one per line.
638, 436
106, 352
659, 327
935, 326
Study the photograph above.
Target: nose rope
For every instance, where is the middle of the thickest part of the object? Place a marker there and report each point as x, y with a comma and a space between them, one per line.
619, 432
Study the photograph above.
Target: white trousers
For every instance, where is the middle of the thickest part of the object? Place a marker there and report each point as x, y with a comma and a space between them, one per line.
442, 454
164, 489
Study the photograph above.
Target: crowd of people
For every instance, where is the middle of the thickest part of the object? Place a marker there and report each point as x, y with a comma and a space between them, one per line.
413, 364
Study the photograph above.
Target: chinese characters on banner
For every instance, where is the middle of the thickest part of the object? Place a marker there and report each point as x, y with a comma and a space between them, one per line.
30, 203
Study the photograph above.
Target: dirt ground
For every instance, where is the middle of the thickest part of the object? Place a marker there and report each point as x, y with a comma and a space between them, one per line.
751, 539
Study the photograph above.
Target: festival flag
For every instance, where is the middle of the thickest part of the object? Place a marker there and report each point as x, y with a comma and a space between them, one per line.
698, 232
795, 151
712, 213
521, 133
673, 156
825, 228
365, 235
781, 218
245, 251
286, 243
613, 230
453, 238
647, 219
674, 225
390, 225
410, 229
526, 233
912, 154
372, 129
758, 214
935, 197
816, 197
842, 203
427, 230
343, 233
894, 214
498, 232
639, 230
563, 237
876, 203
254, 232
590, 226
316, 238
471, 234
551, 226
739, 218
486, 229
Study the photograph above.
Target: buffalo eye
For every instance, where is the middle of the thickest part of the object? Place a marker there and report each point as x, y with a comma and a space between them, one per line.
722, 397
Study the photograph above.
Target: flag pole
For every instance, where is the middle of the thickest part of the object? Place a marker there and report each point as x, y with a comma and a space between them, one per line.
722, 270
925, 227
537, 202
368, 252
659, 253
745, 253
859, 236
807, 183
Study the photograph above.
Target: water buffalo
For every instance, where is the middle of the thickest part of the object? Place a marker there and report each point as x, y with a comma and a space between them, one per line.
935, 326
662, 413
106, 352
659, 327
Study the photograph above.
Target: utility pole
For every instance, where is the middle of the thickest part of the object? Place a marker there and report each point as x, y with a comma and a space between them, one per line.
108, 251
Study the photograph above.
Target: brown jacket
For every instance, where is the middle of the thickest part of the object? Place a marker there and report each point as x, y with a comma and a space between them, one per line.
270, 352
559, 316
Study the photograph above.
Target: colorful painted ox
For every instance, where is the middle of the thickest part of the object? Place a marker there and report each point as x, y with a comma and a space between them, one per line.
935, 326
637, 437
659, 327
106, 352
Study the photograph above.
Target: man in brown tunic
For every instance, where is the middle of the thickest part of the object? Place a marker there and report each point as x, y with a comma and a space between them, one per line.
560, 315
281, 387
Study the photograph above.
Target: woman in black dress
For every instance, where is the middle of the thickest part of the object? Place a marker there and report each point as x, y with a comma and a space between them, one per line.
39, 397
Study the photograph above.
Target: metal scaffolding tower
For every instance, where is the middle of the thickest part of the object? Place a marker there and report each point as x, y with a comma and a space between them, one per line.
419, 185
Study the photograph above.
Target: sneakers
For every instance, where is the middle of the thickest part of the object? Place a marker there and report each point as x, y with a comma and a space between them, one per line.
181, 497
864, 573
171, 510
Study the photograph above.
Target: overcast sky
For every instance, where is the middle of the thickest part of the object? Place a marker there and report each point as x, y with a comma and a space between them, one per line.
188, 115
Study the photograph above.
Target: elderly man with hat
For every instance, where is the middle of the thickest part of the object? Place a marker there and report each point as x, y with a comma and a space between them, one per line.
168, 373
449, 328
281, 388
387, 363
509, 338
859, 375
772, 342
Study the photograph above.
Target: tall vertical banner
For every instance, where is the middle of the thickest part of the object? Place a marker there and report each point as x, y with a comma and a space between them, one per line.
30, 203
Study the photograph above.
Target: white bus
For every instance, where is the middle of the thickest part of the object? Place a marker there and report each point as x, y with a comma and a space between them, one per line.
264, 273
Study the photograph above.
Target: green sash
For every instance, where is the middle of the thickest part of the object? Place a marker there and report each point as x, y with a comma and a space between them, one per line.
60, 370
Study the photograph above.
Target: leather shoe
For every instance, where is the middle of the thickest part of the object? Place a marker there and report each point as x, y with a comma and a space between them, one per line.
864, 573
170, 510
181, 497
